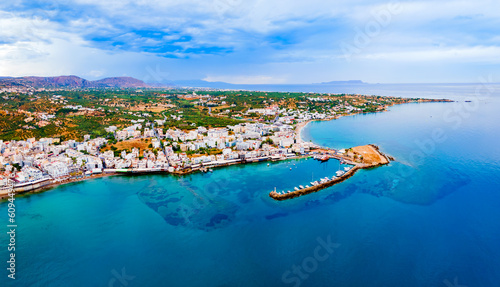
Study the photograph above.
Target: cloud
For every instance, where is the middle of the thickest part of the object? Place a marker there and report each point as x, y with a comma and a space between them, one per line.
478, 54
235, 40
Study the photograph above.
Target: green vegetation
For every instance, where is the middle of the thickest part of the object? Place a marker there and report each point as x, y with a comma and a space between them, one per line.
71, 114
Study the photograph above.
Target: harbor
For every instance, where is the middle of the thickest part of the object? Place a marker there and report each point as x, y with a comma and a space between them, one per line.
362, 157
356, 158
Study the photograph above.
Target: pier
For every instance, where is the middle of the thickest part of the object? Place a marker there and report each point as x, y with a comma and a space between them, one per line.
371, 157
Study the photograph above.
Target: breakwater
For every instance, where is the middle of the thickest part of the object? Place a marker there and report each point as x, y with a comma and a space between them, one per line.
367, 151
296, 193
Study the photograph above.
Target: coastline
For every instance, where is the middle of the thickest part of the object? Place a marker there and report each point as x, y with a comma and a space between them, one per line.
300, 126
54, 184
298, 136
298, 130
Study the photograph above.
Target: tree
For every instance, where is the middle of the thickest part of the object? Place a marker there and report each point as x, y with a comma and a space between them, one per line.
16, 166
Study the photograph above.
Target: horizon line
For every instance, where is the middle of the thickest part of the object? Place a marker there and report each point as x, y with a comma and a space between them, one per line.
264, 84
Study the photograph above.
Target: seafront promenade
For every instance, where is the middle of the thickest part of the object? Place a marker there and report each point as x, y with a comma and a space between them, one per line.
48, 183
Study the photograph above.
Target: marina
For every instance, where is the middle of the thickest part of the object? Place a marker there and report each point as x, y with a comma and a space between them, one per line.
371, 157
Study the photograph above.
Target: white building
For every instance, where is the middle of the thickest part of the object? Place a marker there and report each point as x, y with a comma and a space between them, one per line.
57, 169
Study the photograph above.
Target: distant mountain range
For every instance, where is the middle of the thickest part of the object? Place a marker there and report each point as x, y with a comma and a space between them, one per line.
224, 85
72, 82
75, 82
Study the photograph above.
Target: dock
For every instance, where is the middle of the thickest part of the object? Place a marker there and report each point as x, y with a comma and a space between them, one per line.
372, 158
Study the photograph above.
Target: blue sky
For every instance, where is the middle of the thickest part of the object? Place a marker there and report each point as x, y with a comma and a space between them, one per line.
252, 41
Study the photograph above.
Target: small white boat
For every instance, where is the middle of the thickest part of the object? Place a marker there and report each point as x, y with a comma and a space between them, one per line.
307, 186
267, 164
301, 186
296, 188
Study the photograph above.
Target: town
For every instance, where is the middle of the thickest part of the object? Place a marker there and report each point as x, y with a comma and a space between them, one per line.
31, 162
156, 132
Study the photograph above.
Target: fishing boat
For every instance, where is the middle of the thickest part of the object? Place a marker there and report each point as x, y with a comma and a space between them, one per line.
301, 186
296, 188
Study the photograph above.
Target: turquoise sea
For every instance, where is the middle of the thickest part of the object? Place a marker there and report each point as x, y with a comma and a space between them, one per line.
431, 218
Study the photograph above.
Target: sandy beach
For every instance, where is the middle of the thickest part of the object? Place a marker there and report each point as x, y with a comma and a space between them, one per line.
300, 126
298, 130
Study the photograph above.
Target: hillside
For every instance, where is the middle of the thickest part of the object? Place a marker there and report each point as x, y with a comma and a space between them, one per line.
71, 82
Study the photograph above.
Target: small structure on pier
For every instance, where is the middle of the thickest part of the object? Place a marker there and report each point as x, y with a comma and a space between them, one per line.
360, 157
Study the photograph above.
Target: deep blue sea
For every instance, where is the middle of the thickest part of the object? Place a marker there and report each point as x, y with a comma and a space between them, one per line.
431, 218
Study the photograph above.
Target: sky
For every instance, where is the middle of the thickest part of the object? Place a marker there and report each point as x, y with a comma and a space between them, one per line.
252, 41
